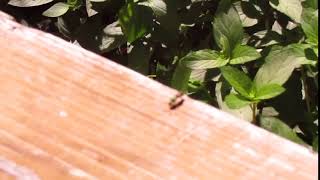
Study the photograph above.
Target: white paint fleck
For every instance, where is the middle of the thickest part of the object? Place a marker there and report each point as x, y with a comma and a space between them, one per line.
80, 173
63, 114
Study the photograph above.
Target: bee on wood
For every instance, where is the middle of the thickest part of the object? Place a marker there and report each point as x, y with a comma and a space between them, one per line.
176, 101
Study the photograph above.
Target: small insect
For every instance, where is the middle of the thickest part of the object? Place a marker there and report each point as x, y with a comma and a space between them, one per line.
176, 101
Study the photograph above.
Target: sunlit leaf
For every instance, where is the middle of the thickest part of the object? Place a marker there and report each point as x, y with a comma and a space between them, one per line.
292, 8
56, 10
227, 27
221, 90
268, 91
242, 54
310, 25
236, 101
159, 7
279, 64
28, 3
203, 59
238, 79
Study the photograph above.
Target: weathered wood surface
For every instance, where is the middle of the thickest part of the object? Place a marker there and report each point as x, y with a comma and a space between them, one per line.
66, 113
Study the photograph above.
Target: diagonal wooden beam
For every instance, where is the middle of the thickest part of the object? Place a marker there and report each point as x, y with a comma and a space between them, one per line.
66, 113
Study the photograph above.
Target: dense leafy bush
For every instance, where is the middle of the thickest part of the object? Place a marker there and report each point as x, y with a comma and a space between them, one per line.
255, 59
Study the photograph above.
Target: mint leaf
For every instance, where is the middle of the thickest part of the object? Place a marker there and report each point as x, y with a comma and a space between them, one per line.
235, 101
193, 66
291, 8
269, 91
279, 65
159, 7
180, 78
222, 90
310, 25
56, 10
203, 59
227, 27
111, 37
310, 4
28, 3
135, 20
242, 54
278, 127
238, 79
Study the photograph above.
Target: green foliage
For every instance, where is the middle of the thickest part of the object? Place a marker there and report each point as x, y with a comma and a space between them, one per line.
28, 3
236, 101
291, 8
268, 91
227, 27
279, 65
56, 10
278, 127
135, 20
244, 57
239, 80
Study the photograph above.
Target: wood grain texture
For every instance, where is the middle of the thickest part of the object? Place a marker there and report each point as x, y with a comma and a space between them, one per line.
66, 113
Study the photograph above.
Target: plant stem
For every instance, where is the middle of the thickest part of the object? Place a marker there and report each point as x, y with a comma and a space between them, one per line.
254, 108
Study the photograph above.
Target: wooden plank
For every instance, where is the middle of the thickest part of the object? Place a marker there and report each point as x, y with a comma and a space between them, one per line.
66, 113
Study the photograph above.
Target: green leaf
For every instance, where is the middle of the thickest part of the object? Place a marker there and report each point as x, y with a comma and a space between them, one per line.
279, 65
221, 90
269, 91
248, 13
315, 143
291, 8
28, 3
159, 7
56, 10
111, 37
236, 101
276, 126
90, 10
136, 20
180, 78
74, 4
310, 4
239, 80
139, 57
194, 65
242, 54
310, 25
227, 27
203, 59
